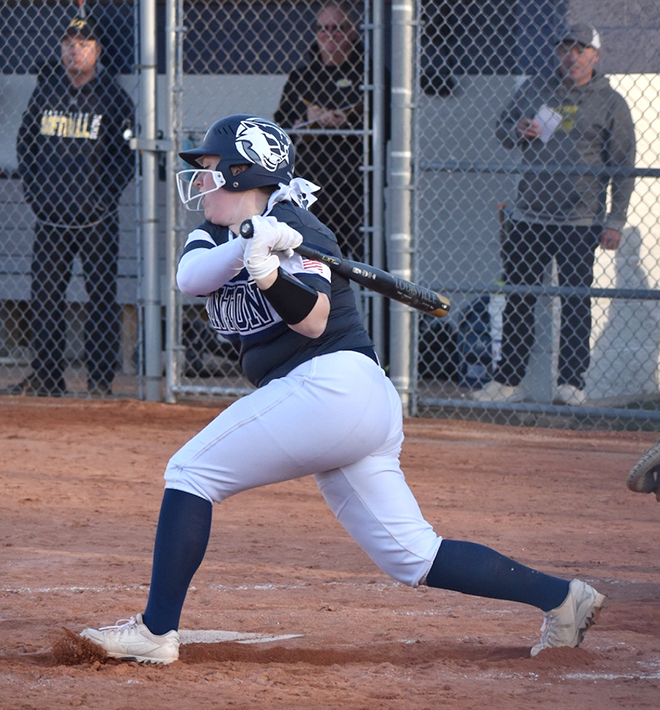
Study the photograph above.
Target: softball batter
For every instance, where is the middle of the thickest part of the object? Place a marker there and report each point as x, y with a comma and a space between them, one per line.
322, 405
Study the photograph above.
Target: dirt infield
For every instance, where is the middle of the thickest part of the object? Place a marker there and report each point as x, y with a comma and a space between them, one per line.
81, 485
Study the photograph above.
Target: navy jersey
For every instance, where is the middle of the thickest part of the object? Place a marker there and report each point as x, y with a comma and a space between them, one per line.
240, 312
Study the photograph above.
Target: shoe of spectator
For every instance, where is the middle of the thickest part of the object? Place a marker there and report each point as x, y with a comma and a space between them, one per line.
34, 386
570, 394
567, 624
497, 392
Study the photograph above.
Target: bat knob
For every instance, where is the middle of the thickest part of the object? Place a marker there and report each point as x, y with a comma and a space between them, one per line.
246, 229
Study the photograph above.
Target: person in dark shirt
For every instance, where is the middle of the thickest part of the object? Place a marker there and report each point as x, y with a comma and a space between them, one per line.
326, 93
75, 160
322, 406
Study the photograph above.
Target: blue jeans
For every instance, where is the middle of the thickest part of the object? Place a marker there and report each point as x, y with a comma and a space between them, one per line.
527, 251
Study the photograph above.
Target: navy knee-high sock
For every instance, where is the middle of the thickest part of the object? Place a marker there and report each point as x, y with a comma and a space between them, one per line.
183, 532
475, 569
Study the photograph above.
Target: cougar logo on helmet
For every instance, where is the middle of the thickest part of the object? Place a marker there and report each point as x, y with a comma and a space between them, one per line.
263, 143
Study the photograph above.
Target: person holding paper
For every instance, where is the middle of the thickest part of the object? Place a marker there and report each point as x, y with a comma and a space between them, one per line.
573, 129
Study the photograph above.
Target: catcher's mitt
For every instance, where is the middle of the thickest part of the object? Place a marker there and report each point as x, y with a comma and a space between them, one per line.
644, 477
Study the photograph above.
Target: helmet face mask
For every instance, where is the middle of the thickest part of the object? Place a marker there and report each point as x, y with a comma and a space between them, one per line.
244, 140
190, 195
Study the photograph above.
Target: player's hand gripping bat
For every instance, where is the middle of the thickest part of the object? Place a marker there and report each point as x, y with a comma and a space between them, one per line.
423, 299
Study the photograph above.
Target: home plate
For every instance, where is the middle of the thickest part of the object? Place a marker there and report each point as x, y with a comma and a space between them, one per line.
236, 636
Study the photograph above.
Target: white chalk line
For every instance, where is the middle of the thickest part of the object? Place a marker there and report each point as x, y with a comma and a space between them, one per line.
611, 676
573, 676
74, 589
215, 587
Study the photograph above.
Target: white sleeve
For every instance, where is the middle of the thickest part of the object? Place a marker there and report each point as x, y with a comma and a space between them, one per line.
204, 270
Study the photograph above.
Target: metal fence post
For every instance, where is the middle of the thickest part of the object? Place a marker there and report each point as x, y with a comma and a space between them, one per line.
174, 88
150, 295
377, 138
399, 191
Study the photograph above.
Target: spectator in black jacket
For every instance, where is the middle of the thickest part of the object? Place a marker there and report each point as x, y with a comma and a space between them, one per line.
326, 93
75, 160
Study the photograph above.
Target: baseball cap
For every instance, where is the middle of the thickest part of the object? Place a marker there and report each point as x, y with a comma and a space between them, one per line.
80, 27
584, 34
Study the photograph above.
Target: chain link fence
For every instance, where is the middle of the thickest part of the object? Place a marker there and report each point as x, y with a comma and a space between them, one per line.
68, 268
568, 330
547, 325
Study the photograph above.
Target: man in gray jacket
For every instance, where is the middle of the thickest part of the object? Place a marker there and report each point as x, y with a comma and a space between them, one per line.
574, 131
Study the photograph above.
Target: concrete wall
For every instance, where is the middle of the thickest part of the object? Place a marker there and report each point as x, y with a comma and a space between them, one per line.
626, 335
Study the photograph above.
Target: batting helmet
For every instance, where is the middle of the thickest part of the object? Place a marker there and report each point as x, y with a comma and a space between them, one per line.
243, 139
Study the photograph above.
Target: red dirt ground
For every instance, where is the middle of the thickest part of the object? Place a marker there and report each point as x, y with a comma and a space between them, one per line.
81, 485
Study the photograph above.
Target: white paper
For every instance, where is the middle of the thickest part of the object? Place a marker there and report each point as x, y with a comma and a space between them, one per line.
549, 120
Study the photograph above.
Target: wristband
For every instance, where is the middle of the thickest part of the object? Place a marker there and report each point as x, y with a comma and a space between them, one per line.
292, 299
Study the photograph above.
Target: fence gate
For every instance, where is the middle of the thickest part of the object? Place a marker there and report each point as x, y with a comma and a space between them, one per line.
268, 59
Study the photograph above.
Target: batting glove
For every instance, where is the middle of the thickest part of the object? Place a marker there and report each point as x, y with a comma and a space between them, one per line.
278, 235
259, 260
271, 240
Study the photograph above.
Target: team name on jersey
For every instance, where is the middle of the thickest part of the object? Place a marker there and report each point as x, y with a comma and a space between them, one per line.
240, 307
71, 125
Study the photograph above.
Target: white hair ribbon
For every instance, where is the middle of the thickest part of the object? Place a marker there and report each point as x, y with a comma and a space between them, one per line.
298, 191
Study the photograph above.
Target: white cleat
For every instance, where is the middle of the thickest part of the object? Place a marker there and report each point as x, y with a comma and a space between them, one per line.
570, 395
131, 640
497, 392
567, 624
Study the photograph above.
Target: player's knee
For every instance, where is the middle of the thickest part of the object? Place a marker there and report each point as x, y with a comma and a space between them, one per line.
207, 483
409, 571
185, 479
